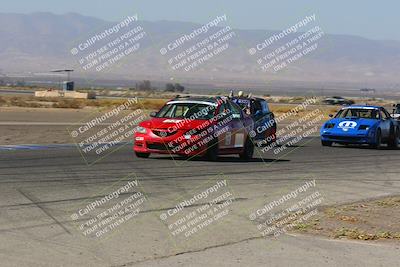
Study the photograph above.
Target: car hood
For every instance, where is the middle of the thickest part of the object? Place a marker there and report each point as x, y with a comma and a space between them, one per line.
172, 124
350, 125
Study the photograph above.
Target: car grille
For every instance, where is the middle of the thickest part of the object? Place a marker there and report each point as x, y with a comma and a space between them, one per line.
344, 138
163, 133
157, 146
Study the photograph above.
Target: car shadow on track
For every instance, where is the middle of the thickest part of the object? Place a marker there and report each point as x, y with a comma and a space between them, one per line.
220, 159
265, 160
362, 147
280, 145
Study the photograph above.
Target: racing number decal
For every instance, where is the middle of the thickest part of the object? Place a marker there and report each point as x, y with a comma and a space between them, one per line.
229, 139
239, 140
233, 139
347, 125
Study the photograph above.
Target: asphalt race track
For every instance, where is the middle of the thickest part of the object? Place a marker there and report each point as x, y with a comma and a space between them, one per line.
40, 189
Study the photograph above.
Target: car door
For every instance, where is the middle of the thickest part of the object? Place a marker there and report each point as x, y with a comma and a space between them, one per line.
230, 126
258, 117
263, 119
385, 123
223, 127
237, 125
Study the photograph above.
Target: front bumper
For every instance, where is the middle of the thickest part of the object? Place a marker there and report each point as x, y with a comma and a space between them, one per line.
347, 139
177, 144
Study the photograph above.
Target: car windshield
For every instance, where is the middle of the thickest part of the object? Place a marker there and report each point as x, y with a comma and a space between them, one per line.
397, 110
187, 110
358, 113
252, 106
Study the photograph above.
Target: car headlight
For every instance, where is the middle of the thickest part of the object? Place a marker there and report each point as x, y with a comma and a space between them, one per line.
329, 125
363, 127
141, 130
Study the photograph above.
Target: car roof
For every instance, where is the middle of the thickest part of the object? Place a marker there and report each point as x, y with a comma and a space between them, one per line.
214, 101
362, 107
248, 98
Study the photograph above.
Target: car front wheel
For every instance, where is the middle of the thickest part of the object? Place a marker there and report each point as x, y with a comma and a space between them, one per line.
378, 139
142, 155
394, 138
212, 151
326, 143
248, 150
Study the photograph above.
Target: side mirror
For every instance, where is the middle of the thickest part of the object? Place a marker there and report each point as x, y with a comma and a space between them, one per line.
153, 114
330, 116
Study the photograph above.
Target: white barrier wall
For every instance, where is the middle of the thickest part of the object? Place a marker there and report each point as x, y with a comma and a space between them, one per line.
66, 94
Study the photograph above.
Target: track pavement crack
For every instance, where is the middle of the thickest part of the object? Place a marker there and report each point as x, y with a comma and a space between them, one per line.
190, 251
36, 201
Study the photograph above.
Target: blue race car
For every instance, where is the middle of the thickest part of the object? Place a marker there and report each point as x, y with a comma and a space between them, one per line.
370, 125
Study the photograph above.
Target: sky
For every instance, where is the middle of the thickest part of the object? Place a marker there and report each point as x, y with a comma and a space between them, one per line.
367, 18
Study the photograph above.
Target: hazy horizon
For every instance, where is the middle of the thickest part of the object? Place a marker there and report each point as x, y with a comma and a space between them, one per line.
183, 21
357, 17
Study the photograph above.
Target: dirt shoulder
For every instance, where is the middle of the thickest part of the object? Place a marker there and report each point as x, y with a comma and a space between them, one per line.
43, 125
38, 125
365, 220
20, 114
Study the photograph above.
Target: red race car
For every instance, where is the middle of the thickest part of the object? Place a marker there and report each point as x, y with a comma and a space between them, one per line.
196, 126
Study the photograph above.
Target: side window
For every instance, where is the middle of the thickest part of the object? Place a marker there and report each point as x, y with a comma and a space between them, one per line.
265, 107
257, 106
347, 113
181, 111
376, 114
387, 114
169, 111
223, 109
384, 114
339, 114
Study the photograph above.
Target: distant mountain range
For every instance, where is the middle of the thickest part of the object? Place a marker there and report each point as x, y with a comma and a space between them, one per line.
40, 42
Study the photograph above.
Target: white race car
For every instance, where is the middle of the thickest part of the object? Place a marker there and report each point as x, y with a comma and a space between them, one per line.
396, 112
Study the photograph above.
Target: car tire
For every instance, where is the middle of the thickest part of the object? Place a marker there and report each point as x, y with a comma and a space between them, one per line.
248, 150
394, 138
378, 139
326, 143
212, 151
142, 155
